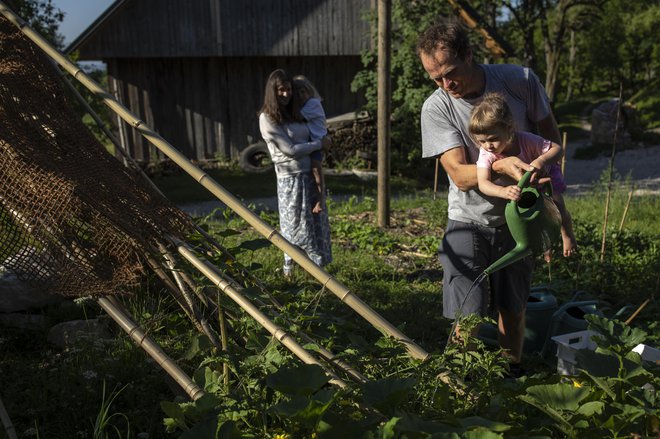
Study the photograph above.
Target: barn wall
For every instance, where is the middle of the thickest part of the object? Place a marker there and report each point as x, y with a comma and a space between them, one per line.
206, 107
214, 28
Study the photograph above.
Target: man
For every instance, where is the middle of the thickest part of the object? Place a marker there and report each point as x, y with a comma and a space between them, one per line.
476, 233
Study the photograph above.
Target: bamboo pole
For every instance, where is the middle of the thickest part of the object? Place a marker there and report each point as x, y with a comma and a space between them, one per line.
323, 351
95, 116
637, 311
609, 175
115, 310
625, 209
6, 422
297, 254
171, 264
210, 271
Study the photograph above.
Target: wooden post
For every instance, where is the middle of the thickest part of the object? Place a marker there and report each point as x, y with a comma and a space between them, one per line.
384, 110
435, 178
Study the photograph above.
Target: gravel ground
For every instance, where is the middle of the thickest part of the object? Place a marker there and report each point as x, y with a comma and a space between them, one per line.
642, 164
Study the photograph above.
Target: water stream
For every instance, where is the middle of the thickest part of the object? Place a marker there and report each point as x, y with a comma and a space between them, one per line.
476, 282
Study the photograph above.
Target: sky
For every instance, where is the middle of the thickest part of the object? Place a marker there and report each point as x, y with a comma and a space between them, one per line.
79, 14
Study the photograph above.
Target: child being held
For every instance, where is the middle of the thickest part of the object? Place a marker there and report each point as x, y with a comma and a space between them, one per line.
492, 129
312, 110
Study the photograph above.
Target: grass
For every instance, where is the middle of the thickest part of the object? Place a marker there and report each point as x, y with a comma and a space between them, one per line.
180, 188
60, 394
395, 270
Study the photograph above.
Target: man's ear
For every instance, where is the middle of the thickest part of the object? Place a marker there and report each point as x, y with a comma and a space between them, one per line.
468, 56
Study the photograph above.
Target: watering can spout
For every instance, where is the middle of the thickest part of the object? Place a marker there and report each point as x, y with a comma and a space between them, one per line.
519, 252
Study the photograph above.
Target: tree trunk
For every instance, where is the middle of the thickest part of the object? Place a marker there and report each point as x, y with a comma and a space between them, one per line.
572, 52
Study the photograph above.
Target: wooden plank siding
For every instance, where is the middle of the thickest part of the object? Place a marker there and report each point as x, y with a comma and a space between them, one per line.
195, 70
212, 28
207, 107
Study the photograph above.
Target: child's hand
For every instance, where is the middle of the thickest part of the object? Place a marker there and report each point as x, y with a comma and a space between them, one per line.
511, 192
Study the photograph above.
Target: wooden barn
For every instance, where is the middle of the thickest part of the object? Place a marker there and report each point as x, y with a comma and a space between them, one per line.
195, 70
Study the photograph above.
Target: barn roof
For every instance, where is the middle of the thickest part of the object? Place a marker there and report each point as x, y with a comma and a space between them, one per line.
96, 24
212, 28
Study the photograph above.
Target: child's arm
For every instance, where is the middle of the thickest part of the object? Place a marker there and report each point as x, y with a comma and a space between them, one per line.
487, 187
548, 157
314, 114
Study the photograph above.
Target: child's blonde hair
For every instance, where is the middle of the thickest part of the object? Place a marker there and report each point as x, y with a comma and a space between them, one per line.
301, 83
492, 114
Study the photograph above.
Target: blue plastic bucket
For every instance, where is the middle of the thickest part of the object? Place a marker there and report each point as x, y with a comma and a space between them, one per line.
541, 306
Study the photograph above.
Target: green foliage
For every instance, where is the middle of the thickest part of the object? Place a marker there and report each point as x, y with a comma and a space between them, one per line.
104, 420
410, 84
42, 16
628, 51
612, 395
459, 391
647, 103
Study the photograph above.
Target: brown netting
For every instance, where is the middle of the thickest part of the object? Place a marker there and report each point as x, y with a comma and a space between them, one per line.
71, 215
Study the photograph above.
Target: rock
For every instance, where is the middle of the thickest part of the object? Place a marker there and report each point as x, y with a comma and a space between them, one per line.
604, 123
68, 334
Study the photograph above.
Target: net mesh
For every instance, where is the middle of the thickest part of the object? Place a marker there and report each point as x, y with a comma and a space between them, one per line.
71, 216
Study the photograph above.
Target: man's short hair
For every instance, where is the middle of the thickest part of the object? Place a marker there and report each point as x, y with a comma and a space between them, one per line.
448, 35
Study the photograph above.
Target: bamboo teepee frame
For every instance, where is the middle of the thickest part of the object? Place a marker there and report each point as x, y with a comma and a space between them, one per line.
327, 280
115, 309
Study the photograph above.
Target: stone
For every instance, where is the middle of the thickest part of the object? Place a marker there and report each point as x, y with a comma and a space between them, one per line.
68, 334
604, 124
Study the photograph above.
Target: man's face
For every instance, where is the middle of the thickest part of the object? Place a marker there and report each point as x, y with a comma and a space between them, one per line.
451, 73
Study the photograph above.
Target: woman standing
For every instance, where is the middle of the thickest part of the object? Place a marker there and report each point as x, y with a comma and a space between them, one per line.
289, 144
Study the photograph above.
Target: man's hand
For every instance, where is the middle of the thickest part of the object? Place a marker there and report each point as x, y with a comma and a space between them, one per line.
511, 166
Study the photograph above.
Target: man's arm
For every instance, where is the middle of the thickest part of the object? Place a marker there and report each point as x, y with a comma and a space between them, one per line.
463, 174
548, 129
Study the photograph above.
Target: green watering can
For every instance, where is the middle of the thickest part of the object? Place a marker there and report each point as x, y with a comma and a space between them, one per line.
534, 222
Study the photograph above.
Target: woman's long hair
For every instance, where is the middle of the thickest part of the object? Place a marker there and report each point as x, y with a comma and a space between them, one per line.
271, 107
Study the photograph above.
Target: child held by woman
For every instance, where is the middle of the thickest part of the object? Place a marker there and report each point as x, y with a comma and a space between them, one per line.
312, 110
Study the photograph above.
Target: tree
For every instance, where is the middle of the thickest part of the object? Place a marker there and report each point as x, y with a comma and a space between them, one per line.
554, 19
410, 83
42, 16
